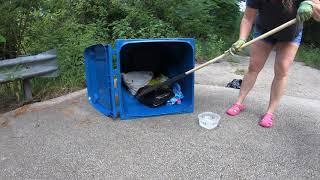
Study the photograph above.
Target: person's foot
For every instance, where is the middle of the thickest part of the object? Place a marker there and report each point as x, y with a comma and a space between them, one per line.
267, 120
235, 109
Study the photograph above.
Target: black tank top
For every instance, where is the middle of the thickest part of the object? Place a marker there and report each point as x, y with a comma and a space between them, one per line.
272, 13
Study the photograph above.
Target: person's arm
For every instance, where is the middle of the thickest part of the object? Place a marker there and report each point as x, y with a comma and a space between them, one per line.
247, 22
316, 10
245, 28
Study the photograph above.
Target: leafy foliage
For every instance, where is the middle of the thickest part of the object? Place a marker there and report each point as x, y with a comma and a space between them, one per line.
310, 54
311, 32
141, 25
16, 17
2, 39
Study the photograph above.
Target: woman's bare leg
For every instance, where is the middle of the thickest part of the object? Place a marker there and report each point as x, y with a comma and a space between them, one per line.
259, 54
286, 53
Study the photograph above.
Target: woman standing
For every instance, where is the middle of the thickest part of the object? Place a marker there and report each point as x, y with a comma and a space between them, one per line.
267, 15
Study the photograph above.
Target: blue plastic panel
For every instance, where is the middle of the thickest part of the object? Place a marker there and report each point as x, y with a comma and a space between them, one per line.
100, 79
181, 53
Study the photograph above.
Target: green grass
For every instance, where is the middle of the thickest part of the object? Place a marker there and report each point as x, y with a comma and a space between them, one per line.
310, 55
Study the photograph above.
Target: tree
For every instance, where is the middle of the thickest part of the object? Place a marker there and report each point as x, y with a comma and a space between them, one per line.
15, 17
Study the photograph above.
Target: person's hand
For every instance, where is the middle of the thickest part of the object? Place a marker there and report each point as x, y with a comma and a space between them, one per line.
235, 48
305, 11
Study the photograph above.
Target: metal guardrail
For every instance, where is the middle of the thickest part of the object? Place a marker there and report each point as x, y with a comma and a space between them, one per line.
25, 68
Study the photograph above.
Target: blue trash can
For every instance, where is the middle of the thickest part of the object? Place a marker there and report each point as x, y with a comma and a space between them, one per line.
104, 66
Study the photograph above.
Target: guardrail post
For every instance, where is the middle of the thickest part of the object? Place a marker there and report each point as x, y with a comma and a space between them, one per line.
27, 89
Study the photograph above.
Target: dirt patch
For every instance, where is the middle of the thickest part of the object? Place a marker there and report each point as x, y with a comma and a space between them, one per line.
8, 103
84, 122
25, 109
21, 111
36, 109
4, 122
68, 112
74, 101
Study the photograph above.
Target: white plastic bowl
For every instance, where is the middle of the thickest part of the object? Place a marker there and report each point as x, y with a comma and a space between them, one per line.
209, 120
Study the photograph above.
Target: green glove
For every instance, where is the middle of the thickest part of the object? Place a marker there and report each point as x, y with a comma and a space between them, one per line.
235, 48
305, 11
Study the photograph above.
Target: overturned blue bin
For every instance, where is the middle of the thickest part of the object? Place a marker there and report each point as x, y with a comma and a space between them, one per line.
104, 66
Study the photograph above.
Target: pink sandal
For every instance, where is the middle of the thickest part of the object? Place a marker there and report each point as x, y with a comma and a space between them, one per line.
267, 120
235, 109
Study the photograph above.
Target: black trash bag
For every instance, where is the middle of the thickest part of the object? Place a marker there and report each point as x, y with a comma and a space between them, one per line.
236, 84
155, 98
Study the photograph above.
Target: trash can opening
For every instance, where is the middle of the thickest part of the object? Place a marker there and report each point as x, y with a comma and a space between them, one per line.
154, 62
